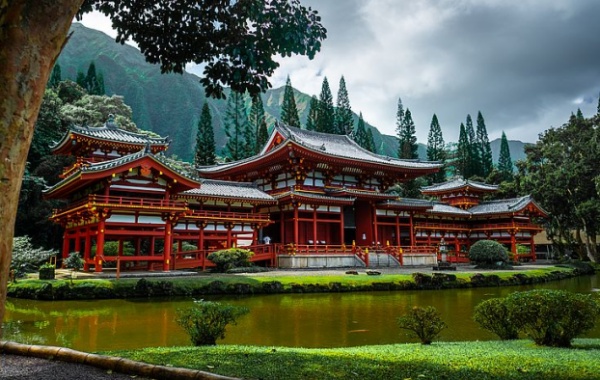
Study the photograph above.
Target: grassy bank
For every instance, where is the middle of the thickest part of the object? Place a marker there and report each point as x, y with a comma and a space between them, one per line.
460, 360
246, 284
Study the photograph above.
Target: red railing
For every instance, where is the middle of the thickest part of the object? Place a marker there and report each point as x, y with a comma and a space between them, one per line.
228, 215
135, 201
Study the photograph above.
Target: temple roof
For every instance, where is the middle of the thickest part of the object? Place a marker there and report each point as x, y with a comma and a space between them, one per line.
344, 146
407, 203
505, 206
359, 193
107, 134
313, 197
228, 189
456, 184
442, 208
337, 146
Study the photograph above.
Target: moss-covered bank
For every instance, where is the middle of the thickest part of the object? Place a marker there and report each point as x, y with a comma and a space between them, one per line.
239, 284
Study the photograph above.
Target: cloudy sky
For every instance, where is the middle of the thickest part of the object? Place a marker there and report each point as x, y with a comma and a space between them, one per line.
525, 64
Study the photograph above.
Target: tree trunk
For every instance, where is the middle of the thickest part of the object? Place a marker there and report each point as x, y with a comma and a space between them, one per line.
32, 34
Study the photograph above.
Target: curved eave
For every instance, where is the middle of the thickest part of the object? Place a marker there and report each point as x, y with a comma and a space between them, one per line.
313, 199
65, 145
360, 194
216, 197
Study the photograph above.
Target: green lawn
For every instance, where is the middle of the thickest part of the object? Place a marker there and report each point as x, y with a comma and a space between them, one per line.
460, 360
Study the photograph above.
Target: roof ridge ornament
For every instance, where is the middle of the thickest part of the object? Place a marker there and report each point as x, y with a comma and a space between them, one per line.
110, 122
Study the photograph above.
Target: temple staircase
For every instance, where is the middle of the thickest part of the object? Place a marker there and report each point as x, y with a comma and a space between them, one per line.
381, 259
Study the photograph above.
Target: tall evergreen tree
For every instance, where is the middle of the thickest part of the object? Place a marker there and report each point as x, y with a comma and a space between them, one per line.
263, 135
505, 165
474, 159
313, 114
361, 133
92, 84
462, 161
205, 139
256, 120
343, 112
407, 147
580, 115
56, 77
80, 79
485, 149
289, 110
326, 115
236, 121
598, 110
371, 141
435, 149
399, 117
101, 87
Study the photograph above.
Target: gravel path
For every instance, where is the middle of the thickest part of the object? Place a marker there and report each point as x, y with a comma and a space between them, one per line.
18, 367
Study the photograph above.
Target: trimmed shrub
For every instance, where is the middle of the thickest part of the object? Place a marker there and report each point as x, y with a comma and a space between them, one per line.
205, 322
488, 252
494, 315
47, 272
553, 317
424, 322
226, 259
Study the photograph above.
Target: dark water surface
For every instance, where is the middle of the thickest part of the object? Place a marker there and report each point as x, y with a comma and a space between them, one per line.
298, 320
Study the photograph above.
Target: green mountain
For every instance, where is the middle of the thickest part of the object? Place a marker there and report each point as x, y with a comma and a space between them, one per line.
170, 104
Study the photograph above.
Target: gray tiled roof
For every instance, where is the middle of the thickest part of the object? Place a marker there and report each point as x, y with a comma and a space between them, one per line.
360, 193
344, 146
112, 133
457, 184
442, 208
503, 206
409, 202
240, 190
311, 196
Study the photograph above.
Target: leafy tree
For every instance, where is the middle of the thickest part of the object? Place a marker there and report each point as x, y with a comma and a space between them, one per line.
93, 111
236, 122
505, 165
462, 153
326, 114
289, 110
56, 77
560, 172
69, 91
435, 148
258, 122
205, 139
407, 147
343, 112
313, 114
484, 149
49, 127
237, 41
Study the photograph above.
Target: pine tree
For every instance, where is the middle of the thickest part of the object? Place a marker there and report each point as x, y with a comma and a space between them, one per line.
343, 112
313, 114
399, 117
505, 165
205, 139
263, 135
235, 122
435, 149
580, 115
371, 141
474, 160
462, 153
598, 110
80, 80
326, 115
289, 110
485, 149
101, 88
56, 77
256, 120
91, 80
360, 136
407, 147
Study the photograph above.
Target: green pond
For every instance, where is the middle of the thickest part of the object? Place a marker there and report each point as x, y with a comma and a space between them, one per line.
299, 320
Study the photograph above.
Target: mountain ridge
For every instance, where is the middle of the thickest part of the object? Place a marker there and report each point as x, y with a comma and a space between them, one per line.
170, 104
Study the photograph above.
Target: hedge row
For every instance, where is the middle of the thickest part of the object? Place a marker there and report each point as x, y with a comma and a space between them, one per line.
129, 288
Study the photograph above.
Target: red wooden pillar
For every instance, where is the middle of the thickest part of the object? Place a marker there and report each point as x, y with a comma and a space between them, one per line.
66, 245
296, 231
229, 227
99, 244
282, 226
375, 226
168, 243
87, 250
342, 238
412, 231
314, 232
513, 242
397, 229
78, 240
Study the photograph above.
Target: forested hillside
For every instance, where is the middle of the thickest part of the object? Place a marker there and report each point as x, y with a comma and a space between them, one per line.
170, 104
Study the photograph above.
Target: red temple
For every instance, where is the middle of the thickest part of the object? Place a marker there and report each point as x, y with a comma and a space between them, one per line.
306, 193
